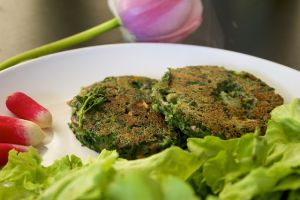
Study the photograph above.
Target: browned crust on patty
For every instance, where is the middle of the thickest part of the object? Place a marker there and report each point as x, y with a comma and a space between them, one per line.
204, 100
125, 121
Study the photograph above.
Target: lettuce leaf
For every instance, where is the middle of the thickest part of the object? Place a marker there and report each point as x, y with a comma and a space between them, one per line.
284, 126
175, 189
253, 166
68, 178
89, 181
135, 184
24, 176
172, 161
139, 185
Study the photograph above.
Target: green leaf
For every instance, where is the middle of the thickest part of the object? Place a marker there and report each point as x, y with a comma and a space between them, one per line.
93, 98
175, 189
284, 126
24, 175
294, 195
290, 182
253, 166
88, 182
172, 161
210, 146
139, 185
198, 182
134, 185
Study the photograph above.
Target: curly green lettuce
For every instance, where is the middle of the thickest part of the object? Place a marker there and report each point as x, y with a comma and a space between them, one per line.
107, 177
253, 166
259, 167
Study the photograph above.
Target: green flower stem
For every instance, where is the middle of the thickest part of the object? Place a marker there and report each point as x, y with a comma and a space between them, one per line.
61, 44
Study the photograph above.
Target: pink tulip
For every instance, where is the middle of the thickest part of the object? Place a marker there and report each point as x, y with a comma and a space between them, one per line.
140, 20
158, 20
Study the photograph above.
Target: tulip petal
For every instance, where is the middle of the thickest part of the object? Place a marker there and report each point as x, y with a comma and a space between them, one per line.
160, 21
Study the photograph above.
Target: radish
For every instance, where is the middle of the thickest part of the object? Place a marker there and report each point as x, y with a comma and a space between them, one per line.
25, 107
19, 131
5, 148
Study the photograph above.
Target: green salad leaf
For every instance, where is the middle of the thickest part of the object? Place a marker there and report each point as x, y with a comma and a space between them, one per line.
107, 177
172, 161
252, 167
88, 182
139, 185
23, 177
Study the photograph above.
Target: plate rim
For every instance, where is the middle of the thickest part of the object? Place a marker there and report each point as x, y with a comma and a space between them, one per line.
135, 45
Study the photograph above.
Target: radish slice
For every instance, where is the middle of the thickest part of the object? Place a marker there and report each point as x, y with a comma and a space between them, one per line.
25, 107
5, 148
19, 131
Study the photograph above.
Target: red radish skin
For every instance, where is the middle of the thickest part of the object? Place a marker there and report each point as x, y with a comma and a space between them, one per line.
5, 148
25, 107
19, 131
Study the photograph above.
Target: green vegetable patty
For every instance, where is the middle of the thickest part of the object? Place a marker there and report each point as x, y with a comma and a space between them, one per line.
117, 113
209, 100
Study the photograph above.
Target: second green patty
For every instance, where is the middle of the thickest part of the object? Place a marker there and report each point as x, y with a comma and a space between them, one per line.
208, 100
116, 113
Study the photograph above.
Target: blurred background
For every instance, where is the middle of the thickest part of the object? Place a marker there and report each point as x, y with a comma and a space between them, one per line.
268, 29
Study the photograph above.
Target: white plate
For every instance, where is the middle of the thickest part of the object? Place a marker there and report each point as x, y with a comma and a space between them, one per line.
53, 80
